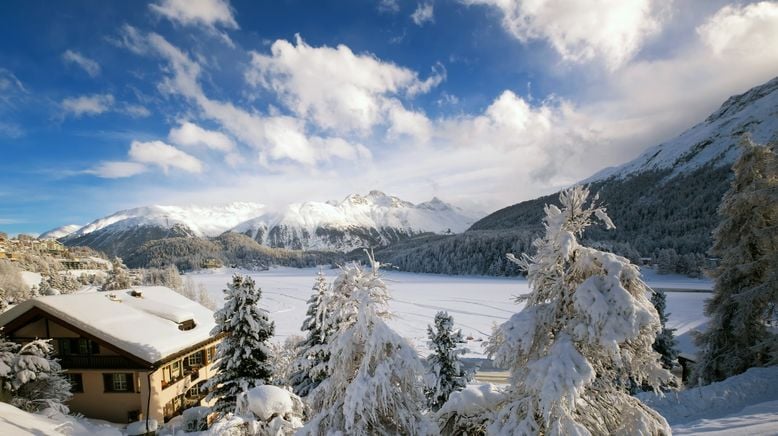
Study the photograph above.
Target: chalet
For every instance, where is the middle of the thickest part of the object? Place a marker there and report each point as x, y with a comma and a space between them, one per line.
130, 355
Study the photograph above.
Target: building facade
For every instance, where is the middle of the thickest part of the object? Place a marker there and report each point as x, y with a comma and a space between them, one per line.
110, 379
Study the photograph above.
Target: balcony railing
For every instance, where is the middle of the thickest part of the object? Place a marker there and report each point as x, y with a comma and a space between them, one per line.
96, 362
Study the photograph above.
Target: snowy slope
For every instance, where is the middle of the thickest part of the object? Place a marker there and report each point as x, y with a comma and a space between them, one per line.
742, 404
713, 140
356, 221
59, 232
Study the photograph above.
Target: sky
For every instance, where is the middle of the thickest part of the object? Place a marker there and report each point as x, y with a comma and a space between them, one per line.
483, 103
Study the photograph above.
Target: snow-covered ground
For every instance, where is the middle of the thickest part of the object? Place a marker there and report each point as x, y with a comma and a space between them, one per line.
476, 303
745, 404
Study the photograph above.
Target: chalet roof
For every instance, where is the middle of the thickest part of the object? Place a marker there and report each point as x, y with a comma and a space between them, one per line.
146, 326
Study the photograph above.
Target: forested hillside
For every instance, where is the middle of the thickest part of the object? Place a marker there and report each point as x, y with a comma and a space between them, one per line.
229, 249
652, 212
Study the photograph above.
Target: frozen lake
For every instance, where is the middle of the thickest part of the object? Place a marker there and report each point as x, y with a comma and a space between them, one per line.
476, 303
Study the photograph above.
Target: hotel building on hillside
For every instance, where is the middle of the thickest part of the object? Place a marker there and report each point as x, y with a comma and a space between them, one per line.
129, 355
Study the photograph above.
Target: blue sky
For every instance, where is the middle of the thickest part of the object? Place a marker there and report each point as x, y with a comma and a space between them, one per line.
483, 103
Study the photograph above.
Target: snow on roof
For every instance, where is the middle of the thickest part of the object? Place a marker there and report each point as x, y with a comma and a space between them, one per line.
146, 326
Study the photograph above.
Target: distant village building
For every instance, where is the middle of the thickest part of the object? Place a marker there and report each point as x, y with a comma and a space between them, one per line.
211, 263
129, 354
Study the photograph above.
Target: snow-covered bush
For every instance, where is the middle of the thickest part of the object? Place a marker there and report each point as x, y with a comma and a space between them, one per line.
118, 278
469, 411
586, 331
243, 356
743, 305
31, 379
284, 356
12, 283
310, 366
374, 386
447, 374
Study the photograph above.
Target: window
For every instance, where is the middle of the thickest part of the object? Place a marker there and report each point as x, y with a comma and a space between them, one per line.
175, 369
211, 354
76, 382
133, 416
78, 346
118, 382
195, 359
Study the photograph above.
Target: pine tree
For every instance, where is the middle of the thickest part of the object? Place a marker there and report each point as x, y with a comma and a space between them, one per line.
665, 343
244, 352
311, 363
586, 331
374, 383
746, 289
447, 372
32, 379
118, 278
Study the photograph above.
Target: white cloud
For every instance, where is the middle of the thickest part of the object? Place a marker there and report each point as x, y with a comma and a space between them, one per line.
190, 134
117, 169
276, 137
90, 66
95, 104
334, 88
581, 30
734, 29
391, 6
424, 13
209, 13
165, 156
136, 110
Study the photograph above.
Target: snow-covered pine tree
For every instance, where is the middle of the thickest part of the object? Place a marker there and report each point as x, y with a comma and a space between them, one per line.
446, 372
312, 355
118, 278
744, 299
665, 341
244, 353
586, 330
374, 385
32, 378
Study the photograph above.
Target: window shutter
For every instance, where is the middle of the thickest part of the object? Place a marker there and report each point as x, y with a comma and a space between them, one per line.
107, 382
130, 382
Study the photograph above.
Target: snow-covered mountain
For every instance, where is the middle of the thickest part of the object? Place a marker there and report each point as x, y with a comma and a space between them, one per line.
712, 141
375, 219
124, 231
59, 232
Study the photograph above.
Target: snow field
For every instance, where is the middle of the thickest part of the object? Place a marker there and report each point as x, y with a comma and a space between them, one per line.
476, 303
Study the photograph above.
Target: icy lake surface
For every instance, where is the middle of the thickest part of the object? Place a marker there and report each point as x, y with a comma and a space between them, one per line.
476, 303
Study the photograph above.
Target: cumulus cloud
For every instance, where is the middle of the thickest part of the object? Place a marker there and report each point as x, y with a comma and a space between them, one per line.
164, 156
582, 30
275, 137
209, 13
90, 66
117, 169
424, 13
95, 104
733, 29
190, 134
334, 88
